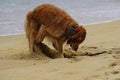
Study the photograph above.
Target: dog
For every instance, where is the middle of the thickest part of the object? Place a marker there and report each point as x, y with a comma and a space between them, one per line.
49, 20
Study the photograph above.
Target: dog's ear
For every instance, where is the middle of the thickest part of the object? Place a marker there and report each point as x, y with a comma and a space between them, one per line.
70, 40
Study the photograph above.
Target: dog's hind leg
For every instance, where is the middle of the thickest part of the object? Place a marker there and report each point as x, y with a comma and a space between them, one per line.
33, 33
41, 34
31, 29
31, 42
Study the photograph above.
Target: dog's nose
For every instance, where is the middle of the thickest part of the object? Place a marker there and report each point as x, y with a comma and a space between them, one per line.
75, 49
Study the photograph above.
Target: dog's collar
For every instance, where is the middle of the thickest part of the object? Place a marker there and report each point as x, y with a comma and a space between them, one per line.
71, 30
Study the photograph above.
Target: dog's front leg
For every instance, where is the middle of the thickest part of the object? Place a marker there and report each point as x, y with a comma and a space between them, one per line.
55, 44
60, 49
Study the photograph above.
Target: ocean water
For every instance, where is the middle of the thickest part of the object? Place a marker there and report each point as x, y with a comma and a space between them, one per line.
12, 12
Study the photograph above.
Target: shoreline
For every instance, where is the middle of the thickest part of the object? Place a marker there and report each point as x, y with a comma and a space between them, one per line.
97, 23
102, 22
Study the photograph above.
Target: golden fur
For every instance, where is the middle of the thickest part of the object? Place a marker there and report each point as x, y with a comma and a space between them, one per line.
49, 20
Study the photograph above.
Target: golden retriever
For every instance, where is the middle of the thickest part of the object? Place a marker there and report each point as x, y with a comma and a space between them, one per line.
49, 20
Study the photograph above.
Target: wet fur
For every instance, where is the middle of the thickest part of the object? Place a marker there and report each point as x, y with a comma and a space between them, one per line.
49, 20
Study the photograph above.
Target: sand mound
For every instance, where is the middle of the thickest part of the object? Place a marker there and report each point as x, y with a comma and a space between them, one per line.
43, 49
43, 52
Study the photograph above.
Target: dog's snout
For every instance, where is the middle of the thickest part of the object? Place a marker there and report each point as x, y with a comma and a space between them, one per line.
76, 49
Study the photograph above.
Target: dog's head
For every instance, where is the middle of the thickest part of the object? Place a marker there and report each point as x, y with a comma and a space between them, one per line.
76, 38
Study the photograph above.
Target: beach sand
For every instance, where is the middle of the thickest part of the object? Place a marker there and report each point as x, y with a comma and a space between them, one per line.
98, 58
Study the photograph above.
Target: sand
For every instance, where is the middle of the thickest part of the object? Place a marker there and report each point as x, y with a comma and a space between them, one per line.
98, 58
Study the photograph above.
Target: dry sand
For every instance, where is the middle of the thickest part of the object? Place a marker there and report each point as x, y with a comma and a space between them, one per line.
98, 58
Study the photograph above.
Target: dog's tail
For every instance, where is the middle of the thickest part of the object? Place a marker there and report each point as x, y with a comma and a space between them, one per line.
27, 24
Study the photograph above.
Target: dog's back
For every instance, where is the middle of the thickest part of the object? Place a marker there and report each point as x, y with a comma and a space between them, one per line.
51, 15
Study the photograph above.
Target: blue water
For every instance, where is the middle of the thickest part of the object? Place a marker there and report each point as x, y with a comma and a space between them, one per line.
12, 12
